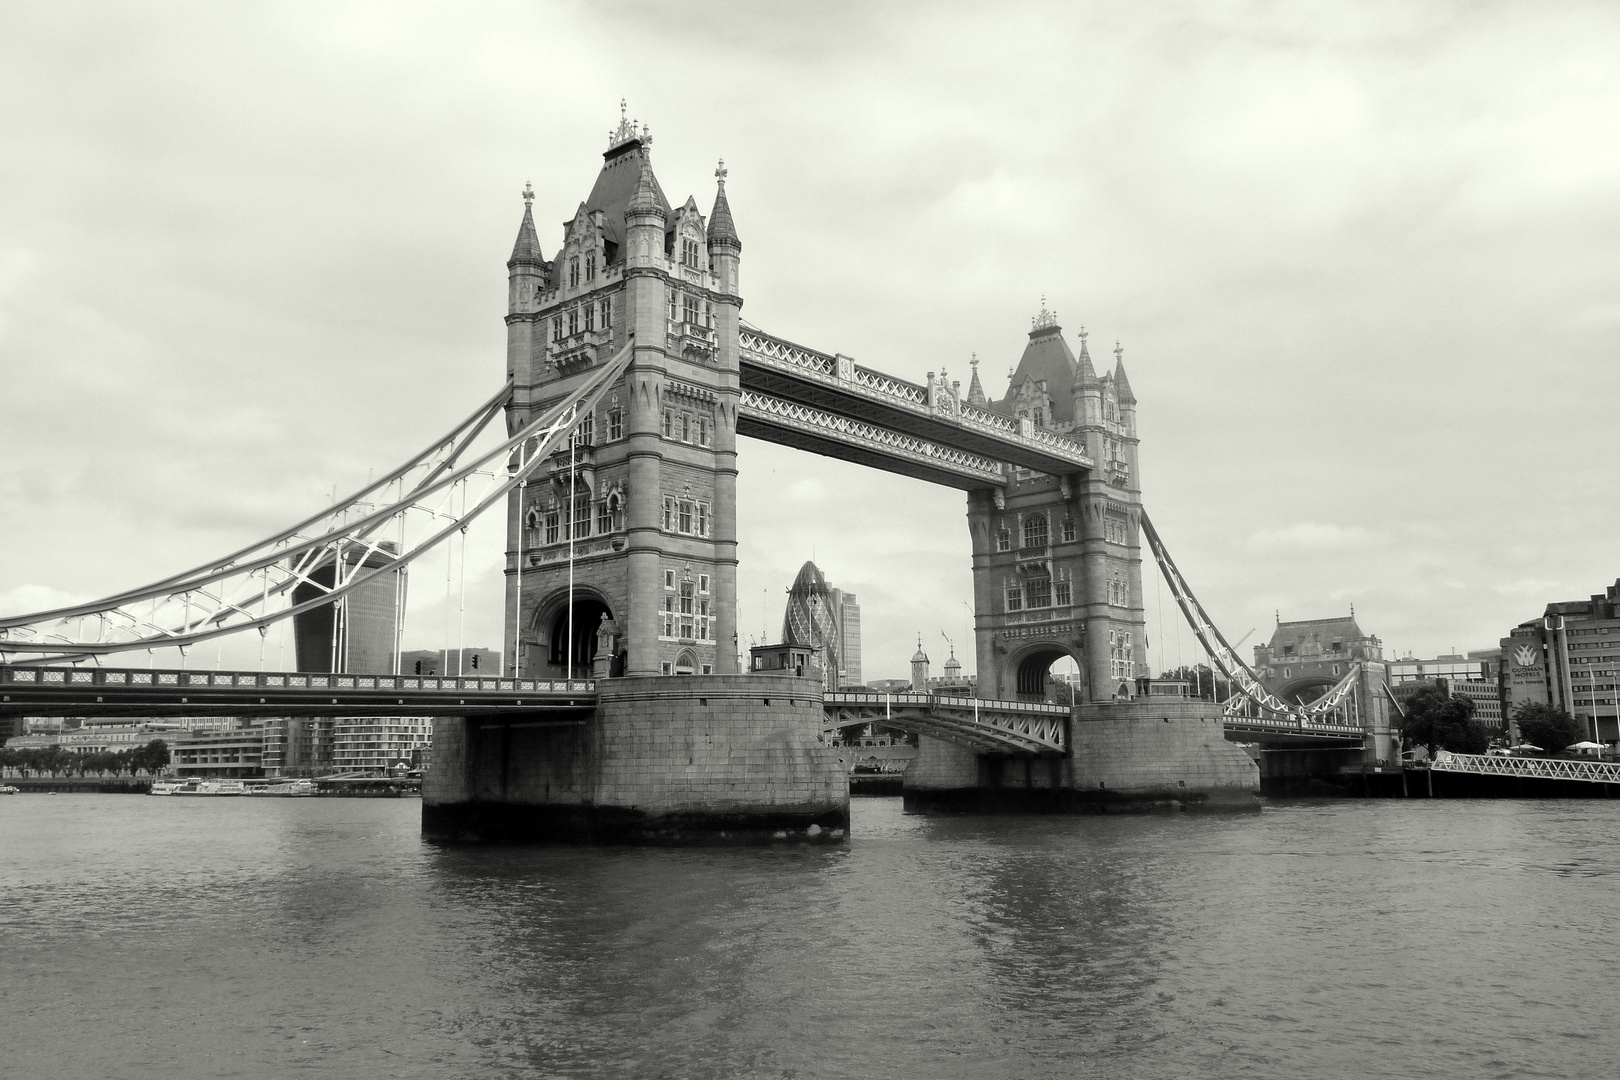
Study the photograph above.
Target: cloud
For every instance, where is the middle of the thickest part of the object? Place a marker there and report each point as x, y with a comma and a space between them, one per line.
27, 599
1361, 257
1310, 537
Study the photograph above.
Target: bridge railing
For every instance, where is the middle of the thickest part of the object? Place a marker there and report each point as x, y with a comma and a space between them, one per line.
1289, 724
840, 697
1598, 772
35, 677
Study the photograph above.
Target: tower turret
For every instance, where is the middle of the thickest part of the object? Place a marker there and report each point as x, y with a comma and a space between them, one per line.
975, 394
644, 217
1122, 391
725, 250
919, 668
526, 281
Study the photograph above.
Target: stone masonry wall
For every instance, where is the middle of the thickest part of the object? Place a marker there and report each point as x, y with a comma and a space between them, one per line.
1148, 749
665, 759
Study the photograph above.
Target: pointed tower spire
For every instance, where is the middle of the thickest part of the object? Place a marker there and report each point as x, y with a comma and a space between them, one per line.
1122, 385
527, 248
721, 227
1088, 373
725, 250
646, 196
975, 394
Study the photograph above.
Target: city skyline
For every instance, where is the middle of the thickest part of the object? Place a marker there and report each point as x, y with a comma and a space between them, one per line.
1360, 262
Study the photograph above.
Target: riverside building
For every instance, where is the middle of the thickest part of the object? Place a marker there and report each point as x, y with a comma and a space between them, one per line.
1568, 658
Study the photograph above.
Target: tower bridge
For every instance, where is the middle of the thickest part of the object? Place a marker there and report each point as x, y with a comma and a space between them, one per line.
629, 376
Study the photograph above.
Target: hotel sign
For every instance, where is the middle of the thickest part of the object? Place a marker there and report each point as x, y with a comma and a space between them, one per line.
1527, 678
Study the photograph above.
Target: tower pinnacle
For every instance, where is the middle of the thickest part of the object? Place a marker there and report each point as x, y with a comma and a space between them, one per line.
1046, 320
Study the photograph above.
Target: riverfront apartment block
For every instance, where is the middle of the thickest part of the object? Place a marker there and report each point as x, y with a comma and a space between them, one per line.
236, 753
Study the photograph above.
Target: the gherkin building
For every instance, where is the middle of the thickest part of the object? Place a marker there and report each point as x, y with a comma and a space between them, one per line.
812, 621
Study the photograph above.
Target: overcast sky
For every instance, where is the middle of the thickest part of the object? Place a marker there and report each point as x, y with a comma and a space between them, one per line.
1362, 259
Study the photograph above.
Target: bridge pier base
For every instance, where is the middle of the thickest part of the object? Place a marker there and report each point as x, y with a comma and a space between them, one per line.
1149, 756
666, 760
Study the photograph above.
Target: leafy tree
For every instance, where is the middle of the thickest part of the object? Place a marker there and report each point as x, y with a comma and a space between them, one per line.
150, 758
1437, 721
54, 759
1547, 726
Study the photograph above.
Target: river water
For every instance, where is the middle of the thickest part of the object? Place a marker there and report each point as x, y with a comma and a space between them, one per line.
180, 938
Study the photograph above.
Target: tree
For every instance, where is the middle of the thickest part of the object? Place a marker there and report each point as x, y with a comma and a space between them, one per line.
1547, 726
1437, 721
149, 758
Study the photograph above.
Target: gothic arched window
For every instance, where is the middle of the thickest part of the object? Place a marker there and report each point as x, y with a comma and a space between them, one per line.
573, 274
1003, 540
590, 268
1035, 531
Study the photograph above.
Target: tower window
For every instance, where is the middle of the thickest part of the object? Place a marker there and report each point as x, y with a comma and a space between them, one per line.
703, 431
1035, 531
690, 309
590, 317
615, 419
573, 274
1003, 540
557, 328
1060, 594
607, 312
590, 268
581, 517
573, 321
689, 252
584, 434
1040, 592
1068, 530
551, 526
604, 518
669, 423
1015, 597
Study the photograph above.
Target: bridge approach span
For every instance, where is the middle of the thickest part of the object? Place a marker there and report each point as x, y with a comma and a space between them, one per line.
109, 692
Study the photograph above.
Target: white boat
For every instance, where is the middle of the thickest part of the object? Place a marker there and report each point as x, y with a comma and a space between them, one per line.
286, 789
7, 789
196, 786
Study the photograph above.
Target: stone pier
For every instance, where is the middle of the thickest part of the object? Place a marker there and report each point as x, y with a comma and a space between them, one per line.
688, 759
1122, 757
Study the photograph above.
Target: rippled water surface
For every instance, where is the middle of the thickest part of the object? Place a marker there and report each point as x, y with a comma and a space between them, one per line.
181, 938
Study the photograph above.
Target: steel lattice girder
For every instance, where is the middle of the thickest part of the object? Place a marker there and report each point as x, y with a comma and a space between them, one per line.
995, 726
219, 598
1594, 772
803, 427
1226, 659
839, 387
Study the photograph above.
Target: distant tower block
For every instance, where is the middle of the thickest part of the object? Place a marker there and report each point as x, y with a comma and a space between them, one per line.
644, 507
848, 615
357, 634
1057, 564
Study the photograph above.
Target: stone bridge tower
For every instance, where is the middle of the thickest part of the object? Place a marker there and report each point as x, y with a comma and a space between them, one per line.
1057, 563
643, 508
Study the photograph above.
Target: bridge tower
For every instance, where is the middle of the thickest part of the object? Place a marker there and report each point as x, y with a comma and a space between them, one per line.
1057, 564
621, 556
